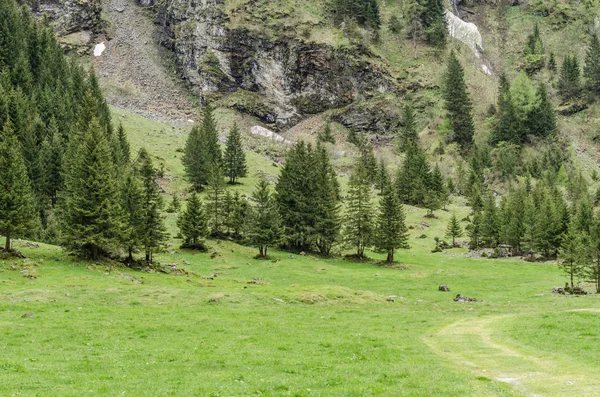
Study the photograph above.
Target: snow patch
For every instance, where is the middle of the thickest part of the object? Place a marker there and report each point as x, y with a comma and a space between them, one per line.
99, 49
265, 133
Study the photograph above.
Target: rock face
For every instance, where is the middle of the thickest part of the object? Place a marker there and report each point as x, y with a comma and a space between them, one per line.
70, 16
292, 77
468, 34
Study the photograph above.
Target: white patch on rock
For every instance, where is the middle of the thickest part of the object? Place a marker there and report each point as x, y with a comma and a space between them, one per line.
265, 133
99, 49
465, 32
486, 70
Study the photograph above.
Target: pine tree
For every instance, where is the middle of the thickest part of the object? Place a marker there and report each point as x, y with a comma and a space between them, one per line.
265, 225
593, 269
326, 135
215, 199
52, 160
238, 221
359, 227
552, 63
234, 159
383, 177
193, 223
93, 219
490, 228
568, 83
530, 224
193, 160
413, 177
408, 131
474, 229
454, 230
433, 18
575, 255
507, 127
391, 231
458, 104
534, 51
123, 145
591, 70
541, 119
438, 188
175, 205
132, 202
154, 230
327, 194
17, 211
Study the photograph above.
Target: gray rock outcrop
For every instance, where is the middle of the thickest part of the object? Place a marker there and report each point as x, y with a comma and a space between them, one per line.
70, 16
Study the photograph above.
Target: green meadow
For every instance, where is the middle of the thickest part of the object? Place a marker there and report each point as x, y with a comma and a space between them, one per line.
226, 324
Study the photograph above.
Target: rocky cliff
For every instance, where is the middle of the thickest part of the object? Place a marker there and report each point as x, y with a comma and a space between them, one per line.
286, 77
70, 16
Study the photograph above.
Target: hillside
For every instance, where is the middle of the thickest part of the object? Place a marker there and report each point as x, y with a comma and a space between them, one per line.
131, 266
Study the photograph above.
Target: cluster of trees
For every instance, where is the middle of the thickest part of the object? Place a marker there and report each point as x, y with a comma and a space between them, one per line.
364, 12
425, 19
570, 84
522, 112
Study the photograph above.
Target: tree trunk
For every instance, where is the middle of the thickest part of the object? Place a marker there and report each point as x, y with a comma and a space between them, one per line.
130, 258
572, 285
390, 257
148, 257
7, 245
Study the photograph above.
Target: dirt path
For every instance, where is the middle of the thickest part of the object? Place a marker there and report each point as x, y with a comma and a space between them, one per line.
472, 344
131, 71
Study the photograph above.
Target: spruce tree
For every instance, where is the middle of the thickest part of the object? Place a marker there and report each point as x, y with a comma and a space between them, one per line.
154, 230
541, 118
408, 131
530, 224
490, 228
391, 231
124, 147
193, 223
238, 220
552, 63
193, 160
433, 19
568, 83
215, 199
234, 159
474, 229
591, 70
593, 269
458, 104
454, 230
534, 51
507, 126
359, 228
132, 202
93, 219
17, 210
328, 197
265, 224
326, 135
175, 205
413, 177
51, 153
383, 177
575, 255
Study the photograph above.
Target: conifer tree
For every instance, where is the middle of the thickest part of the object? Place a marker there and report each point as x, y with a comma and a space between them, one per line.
575, 255
234, 159
132, 203
154, 230
433, 18
193, 223
52, 159
193, 160
512, 228
552, 63
490, 227
507, 127
454, 230
568, 83
175, 205
383, 177
17, 211
215, 199
238, 220
593, 269
123, 145
458, 104
391, 232
474, 229
534, 51
413, 177
530, 224
93, 219
541, 119
437, 186
326, 135
359, 227
408, 131
591, 70
327, 202
265, 226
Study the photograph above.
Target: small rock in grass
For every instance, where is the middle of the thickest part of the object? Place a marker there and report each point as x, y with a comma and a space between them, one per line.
27, 315
444, 288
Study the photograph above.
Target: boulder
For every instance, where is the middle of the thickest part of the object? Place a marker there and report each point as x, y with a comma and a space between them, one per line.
444, 288
463, 299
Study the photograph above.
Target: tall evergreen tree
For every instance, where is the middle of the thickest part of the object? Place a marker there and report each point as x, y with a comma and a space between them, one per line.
593, 269
265, 226
215, 199
327, 195
391, 231
591, 70
575, 255
408, 131
359, 227
93, 218
326, 135
433, 19
490, 228
193, 223
132, 202
569, 83
17, 211
234, 159
458, 104
454, 230
155, 232
413, 177
124, 147
507, 127
541, 119
534, 51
